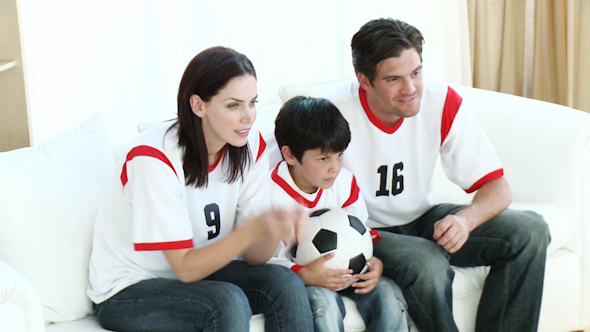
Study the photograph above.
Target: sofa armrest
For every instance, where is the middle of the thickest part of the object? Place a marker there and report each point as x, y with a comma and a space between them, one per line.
17, 292
545, 149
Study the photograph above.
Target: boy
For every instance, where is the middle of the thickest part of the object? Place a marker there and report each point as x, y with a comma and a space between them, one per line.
312, 135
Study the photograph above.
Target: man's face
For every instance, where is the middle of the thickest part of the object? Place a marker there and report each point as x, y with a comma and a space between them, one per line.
396, 91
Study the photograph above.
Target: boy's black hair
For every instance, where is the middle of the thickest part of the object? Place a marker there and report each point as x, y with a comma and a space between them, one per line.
310, 123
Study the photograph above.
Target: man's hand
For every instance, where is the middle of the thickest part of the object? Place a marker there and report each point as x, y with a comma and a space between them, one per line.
452, 232
316, 274
368, 280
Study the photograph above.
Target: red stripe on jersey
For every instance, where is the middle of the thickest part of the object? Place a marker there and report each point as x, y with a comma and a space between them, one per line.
212, 168
375, 236
145, 151
186, 244
261, 148
376, 122
295, 195
450, 110
295, 268
354, 193
491, 176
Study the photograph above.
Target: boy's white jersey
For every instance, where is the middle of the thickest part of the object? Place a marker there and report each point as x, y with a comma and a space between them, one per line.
394, 166
148, 209
344, 194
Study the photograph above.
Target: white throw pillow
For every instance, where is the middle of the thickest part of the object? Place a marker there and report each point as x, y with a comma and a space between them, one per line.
49, 196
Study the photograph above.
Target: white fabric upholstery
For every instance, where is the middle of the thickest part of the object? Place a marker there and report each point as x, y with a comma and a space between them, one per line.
545, 149
49, 196
20, 307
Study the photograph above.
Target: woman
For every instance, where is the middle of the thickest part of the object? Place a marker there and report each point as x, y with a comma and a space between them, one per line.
183, 206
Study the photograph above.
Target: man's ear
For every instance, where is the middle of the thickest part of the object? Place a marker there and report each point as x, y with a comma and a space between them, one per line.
197, 105
289, 157
364, 81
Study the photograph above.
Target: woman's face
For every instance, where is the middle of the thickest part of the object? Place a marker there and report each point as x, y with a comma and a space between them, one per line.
229, 115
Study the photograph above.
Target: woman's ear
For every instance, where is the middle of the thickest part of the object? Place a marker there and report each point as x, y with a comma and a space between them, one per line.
289, 157
197, 105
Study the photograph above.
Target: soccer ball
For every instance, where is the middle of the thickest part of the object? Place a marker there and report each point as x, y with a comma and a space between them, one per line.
334, 230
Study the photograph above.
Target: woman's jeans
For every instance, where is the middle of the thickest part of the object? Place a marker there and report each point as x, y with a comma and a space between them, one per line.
514, 245
222, 302
383, 309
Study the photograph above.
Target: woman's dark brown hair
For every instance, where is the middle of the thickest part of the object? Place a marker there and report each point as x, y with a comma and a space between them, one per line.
206, 74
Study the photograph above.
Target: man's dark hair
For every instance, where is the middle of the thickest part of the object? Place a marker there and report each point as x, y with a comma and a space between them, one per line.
380, 39
310, 123
206, 74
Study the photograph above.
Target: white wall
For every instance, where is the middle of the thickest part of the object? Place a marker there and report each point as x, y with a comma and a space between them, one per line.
125, 58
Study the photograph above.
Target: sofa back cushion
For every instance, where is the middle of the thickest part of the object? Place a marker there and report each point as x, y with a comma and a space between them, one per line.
49, 196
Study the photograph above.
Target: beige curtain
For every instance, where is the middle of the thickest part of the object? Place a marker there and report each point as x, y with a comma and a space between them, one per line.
534, 48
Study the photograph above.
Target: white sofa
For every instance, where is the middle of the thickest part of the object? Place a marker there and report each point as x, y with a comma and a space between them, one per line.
49, 196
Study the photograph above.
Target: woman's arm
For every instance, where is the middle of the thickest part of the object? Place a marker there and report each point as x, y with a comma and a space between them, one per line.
254, 239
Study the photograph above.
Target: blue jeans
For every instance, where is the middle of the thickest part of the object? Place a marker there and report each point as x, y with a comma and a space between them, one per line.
383, 309
514, 245
224, 301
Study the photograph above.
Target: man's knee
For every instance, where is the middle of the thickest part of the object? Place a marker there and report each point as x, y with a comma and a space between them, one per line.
529, 229
420, 263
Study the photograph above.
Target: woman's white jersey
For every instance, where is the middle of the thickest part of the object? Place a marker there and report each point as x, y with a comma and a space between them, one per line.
148, 209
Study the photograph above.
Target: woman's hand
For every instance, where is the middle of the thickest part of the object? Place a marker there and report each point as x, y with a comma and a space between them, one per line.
276, 225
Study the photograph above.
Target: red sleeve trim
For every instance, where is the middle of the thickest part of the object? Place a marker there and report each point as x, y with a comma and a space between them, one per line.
376, 122
291, 192
375, 236
147, 151
354, 193
450, 110
261, 147
295, 268
187, 244
491, 176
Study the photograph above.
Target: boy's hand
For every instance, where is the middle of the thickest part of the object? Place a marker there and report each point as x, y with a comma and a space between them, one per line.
368, 280
316, 274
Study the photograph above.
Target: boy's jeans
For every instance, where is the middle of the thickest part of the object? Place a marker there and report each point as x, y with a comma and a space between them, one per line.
224, 301
383, 309
514, 244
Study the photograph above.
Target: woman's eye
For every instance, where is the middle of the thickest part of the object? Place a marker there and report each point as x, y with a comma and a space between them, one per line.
233, 106
253, 102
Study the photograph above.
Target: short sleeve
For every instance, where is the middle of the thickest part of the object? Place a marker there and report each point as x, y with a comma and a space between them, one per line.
155, 190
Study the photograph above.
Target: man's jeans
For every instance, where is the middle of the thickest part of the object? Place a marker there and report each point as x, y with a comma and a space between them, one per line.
222, 302
514, 244
383, 309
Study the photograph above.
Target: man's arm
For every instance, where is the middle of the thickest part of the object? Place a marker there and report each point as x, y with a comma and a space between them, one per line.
492, 198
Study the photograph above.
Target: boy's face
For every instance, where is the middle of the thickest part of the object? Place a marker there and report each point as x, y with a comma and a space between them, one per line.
316, 170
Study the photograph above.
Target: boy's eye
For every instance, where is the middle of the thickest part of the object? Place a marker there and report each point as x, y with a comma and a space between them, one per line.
323, 159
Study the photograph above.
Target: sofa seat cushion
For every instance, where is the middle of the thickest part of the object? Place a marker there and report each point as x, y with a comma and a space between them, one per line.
49, 196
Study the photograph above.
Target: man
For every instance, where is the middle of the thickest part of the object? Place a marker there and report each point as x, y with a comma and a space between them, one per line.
400, 125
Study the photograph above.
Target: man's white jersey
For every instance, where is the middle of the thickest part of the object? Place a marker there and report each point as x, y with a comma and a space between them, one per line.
149, 209
394, 166
344, 194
